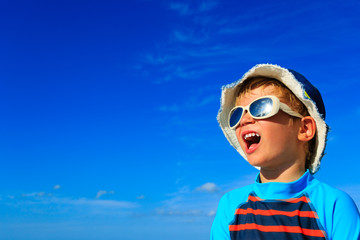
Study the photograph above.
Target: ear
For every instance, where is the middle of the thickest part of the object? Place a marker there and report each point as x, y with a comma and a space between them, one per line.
307, 129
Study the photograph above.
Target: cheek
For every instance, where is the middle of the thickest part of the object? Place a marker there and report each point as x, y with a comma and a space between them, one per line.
282, 134
277, 130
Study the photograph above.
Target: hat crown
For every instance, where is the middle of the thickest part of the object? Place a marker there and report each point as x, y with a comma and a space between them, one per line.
311, 92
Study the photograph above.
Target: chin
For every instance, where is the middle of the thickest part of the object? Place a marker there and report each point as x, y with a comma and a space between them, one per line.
255, 163
259, 163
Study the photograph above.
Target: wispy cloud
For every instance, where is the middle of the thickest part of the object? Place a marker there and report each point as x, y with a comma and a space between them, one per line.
193, 103
140, 197
193, 212
201, 201
61, 206
92, 203
194, 50
159, 59
207, 5
212, 213
103, 192
35, 194
180, 7
189, 36
187, 202
177, 56
44, 203
169, 108
188, 8
57, 187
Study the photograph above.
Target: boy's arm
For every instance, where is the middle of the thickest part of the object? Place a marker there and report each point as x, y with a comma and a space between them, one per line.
346, 220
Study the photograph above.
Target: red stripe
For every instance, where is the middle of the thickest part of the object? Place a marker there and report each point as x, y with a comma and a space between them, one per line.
288, 229
271, 212
291, 200
254, 199
296, 200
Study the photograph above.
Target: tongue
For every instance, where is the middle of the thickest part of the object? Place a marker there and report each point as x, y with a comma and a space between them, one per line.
253, 145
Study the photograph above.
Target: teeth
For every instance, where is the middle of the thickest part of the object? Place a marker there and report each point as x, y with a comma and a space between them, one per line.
249, 135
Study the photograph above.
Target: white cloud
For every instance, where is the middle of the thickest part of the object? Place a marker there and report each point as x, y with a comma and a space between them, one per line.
57, 187
34, 194
186, 202
208, 187
193, 212
61, 202
95, 202
212, 213
100, 193
103, 192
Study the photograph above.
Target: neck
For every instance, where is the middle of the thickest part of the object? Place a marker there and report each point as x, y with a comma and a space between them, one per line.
287, 174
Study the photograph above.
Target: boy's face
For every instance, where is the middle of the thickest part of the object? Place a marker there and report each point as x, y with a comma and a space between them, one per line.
275, 144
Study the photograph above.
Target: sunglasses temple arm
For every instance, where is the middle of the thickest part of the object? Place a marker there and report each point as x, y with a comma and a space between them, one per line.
289, 111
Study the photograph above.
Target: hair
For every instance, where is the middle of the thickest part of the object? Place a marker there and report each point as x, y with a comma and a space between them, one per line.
287, 97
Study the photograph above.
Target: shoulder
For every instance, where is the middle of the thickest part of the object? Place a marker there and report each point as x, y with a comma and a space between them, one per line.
231, 200
226, 209
322, 191
336, 210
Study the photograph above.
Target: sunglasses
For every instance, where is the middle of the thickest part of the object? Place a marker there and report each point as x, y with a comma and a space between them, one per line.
260, 108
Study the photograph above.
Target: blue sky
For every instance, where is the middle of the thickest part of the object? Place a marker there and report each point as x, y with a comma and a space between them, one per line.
108, 127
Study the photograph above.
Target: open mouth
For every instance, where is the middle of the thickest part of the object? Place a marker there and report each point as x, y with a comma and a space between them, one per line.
251, 139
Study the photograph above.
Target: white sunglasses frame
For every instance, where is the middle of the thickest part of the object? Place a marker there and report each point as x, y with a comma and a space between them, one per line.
277, 105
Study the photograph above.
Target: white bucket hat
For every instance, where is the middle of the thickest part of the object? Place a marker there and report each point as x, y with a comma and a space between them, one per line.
299, 85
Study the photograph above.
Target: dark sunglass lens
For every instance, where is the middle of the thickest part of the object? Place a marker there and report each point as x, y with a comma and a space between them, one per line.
235, 116
261, 107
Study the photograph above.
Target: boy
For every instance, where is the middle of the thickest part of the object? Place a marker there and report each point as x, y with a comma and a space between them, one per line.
275, 118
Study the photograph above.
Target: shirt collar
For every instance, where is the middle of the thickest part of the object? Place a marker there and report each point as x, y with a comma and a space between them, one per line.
279, 190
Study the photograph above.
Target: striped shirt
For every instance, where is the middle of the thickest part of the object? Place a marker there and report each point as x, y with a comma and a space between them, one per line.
304, 209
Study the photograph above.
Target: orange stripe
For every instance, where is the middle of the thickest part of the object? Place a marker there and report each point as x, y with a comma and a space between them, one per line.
296, 200
288, 229
270, 212
254, 199
291, 200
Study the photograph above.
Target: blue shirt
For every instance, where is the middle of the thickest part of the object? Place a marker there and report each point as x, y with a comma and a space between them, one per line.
304, 209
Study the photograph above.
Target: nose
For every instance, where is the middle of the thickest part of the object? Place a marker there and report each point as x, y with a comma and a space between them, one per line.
246, 119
